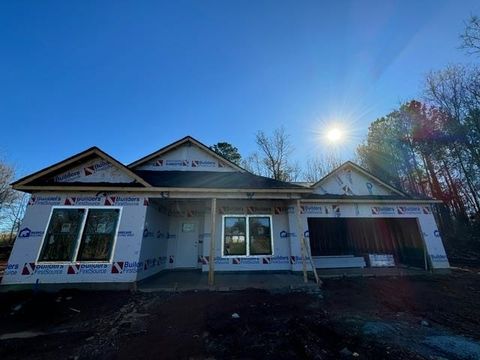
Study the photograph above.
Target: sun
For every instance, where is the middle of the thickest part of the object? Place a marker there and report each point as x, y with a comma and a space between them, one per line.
334, 135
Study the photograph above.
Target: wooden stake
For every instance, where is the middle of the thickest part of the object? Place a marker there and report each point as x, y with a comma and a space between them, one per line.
314, 269
211, 258
302, 244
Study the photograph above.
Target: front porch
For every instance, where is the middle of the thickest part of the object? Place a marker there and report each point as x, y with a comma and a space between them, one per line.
177, 235
195, 280
192, 280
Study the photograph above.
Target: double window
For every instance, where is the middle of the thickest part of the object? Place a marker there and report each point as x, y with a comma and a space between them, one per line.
247, 235
80, 234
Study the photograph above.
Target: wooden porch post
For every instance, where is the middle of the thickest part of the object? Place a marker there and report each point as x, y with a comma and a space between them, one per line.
211, 258
302, 243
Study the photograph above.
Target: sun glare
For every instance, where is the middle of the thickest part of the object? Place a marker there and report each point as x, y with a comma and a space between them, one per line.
334, 135
337, 133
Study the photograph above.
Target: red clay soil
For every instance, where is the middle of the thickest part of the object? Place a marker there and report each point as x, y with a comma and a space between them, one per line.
339, 323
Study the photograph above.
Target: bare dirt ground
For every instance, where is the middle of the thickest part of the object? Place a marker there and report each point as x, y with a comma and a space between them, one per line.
425, 317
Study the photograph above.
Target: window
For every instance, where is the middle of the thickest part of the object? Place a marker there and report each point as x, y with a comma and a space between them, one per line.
98, 235
260, 235
80, 234
235, 236
247, 235
62, 234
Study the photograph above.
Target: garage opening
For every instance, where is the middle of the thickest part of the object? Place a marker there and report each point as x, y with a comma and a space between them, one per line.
368, 236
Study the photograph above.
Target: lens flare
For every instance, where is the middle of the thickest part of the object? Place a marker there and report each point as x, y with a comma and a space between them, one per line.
338, 132
335, 135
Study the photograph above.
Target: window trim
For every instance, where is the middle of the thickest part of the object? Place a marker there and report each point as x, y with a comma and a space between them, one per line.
247, 230
80, 235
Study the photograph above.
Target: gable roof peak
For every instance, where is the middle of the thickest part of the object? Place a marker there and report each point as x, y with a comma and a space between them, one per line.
23, 183
182, 141
365, 172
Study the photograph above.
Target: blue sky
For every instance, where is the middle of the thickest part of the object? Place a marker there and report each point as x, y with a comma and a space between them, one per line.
133, 76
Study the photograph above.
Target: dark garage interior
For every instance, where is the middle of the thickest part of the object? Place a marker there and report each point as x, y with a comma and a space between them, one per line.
362, 236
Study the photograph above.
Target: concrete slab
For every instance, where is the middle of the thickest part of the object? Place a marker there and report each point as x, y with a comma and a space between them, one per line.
370, 272
196, 280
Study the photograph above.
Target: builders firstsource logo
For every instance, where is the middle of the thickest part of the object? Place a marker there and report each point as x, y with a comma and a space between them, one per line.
83, 200
92, 169
44, 200
122, 201
12, 269
46, 269
68, 176
121, 267
204, 163
383, 210
408, 210
87, 269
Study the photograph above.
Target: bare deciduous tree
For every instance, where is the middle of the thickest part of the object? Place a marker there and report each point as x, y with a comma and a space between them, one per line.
471, 36
455, 91
7, 194
319, 166
15, 212
273, 158
254, 164
12, 203
295, 171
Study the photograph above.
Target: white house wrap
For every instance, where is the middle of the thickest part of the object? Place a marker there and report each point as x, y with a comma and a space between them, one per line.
90, 219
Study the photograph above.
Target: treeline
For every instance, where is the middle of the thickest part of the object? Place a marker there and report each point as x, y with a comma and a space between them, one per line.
432, 146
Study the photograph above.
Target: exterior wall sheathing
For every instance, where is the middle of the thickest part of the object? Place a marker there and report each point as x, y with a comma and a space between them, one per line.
146, 240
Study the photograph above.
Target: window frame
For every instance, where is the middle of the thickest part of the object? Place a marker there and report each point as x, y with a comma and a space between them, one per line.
80, 235
247, 233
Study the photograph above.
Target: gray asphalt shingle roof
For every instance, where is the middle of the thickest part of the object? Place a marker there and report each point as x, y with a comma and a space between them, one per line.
206, 179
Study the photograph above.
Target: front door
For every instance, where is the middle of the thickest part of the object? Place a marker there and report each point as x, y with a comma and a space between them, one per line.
187, 244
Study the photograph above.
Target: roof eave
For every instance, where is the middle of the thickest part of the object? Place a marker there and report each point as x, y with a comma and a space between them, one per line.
374, 201
33, 188
90, 151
